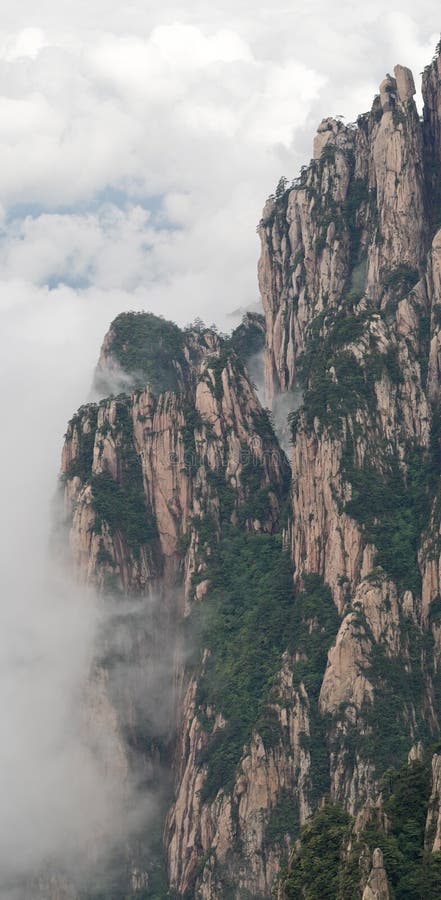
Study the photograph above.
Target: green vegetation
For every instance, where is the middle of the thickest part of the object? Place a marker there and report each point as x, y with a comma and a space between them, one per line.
281, 187
358, 194
400, 691
328, 153
120, 503
398, 117
149, 348
298, 258
434, 195
257, 506
225, 492
252, 476
336, 384
123, 508
318, 866
326, 864
263, 424
193, 422
412, 873
345, 216
284, 820
314, 625
216, 365
82, 464
392, 510
247, 621
400, 280
249, 337
399, 698
390, 500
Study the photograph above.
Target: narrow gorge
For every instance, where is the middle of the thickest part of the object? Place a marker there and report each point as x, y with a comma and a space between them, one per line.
284, 597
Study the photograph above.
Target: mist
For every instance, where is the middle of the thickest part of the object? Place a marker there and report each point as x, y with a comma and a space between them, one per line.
282, 405
72, 794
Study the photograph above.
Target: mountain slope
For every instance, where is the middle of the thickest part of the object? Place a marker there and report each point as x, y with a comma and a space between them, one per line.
301, 602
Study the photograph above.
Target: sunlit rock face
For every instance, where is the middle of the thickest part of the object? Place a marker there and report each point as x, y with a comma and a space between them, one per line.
292, 608
349, 281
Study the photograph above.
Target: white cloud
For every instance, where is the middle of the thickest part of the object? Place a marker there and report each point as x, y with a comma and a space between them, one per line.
25, 43
108, 249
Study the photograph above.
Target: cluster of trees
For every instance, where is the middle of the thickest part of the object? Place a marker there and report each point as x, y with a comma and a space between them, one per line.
326, 865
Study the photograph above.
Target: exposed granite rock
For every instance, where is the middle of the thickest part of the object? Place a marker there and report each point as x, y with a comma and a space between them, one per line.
351, 247
183, 448
377, 887
174, 458
405, 83
431, 90
365, 187
350, 277
433, 823
264, 776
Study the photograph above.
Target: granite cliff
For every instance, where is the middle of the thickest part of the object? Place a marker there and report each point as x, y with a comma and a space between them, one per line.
301, 598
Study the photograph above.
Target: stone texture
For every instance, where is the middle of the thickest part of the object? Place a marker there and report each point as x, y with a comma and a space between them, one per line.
305, 258
177, 491
433, 823
263, 776
405, 83
306, 272
377, 887
366, 188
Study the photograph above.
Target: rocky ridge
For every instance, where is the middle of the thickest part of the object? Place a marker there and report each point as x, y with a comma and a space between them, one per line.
178, 487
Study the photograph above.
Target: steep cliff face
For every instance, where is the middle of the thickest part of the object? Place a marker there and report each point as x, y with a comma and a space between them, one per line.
153, 484
142, 471
390, 850
350, 286
356, 213
304, 620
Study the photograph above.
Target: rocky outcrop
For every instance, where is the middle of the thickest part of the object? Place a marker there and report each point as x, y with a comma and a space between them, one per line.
178, 458
241, 817
432, 115
350, 287
377, 887
396, 173
150, 481
155, 459
305, 259
355, 215
386, 413
433, 281
433, 823
373, 617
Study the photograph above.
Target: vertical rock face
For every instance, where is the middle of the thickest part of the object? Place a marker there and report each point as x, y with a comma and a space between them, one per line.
349, 281
242, 817
432, 111
377, 887
311, 612
433, 822
395, 173
355, 214
140, 470
305, 255
151, 481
